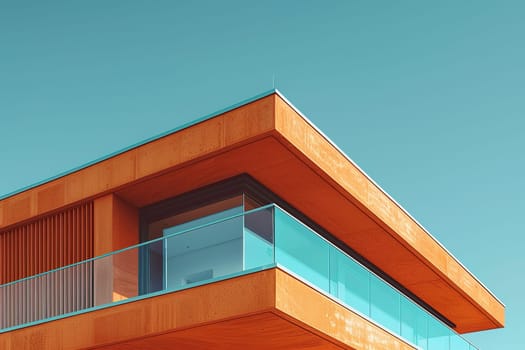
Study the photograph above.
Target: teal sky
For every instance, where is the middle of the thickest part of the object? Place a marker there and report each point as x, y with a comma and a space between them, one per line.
427, 97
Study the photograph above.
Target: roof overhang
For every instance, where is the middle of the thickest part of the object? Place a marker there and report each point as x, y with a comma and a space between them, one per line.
271, 141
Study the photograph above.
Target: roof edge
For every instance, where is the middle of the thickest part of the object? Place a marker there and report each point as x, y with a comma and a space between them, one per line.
141, 143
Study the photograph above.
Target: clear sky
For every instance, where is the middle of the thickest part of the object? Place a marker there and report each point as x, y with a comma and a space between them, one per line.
427, 97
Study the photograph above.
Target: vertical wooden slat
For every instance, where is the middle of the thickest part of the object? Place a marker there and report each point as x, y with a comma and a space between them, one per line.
47, 243
2, 253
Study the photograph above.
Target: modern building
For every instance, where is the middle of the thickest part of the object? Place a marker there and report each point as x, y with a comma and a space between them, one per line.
248, 229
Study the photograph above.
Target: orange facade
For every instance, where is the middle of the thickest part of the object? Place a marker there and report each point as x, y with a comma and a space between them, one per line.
270, 141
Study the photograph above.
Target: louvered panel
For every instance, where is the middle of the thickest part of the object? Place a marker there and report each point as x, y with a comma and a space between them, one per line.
47, 243
40, 246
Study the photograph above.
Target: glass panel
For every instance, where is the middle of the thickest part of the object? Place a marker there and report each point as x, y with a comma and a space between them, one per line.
349, 282
301, 251
458, 343
258, 238
151, 267
203, 253
125, 274
438, 335
421, 326
116, 276
409, 320
385, 305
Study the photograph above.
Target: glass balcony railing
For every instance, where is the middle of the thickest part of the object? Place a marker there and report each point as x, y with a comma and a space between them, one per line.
304, 253
255, 240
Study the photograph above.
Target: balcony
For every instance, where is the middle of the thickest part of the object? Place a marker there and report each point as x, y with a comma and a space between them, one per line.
194, 254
